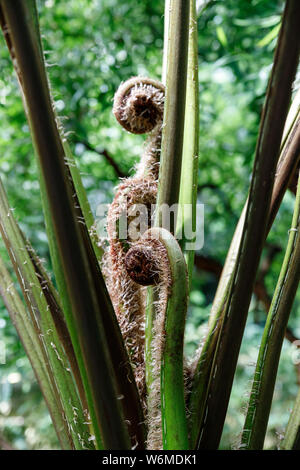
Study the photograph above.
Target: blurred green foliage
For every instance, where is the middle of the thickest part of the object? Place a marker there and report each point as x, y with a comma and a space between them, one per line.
91, 46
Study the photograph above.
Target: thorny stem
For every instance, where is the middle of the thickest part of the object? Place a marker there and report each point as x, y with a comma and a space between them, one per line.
288, 161
57, 266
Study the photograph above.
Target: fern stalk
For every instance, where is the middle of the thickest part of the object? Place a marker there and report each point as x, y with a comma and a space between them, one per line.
36, 353
41, 317
288, 161
270, 349
77, 257
174, 75
173, 127
174, 422
239, 293
189, 171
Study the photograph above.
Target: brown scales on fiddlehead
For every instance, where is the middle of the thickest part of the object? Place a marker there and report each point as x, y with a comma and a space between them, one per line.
138, 104
139, 265
147, 263
138, 107
157, 260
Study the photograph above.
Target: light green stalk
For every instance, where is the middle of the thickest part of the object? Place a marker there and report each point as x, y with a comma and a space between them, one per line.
174, 75
174, 423
271, 344
186, 221
174, 109
167, 342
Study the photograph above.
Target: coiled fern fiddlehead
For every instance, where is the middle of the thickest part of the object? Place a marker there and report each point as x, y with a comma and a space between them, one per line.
138, 107
154, 259
158, 260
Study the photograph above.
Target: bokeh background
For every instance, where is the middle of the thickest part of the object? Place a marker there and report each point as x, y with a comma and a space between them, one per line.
91, 46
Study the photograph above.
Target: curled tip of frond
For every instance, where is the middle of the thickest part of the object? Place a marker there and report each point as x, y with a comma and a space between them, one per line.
141, 266
138, 104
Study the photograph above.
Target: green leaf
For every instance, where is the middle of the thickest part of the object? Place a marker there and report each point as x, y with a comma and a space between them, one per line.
221, 36
269, 37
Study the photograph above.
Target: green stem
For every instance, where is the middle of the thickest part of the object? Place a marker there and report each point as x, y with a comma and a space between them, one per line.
174, 74
56, 311
36, 354
55, 258
42, 318
270, 349
186, 222
67, 307
174, 422
166, 40
173, 128
167, 334
287, 164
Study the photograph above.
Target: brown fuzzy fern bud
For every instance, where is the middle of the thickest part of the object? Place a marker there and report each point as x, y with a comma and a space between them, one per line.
141, 266
138, 104
127, 296
147, 263
138, 107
